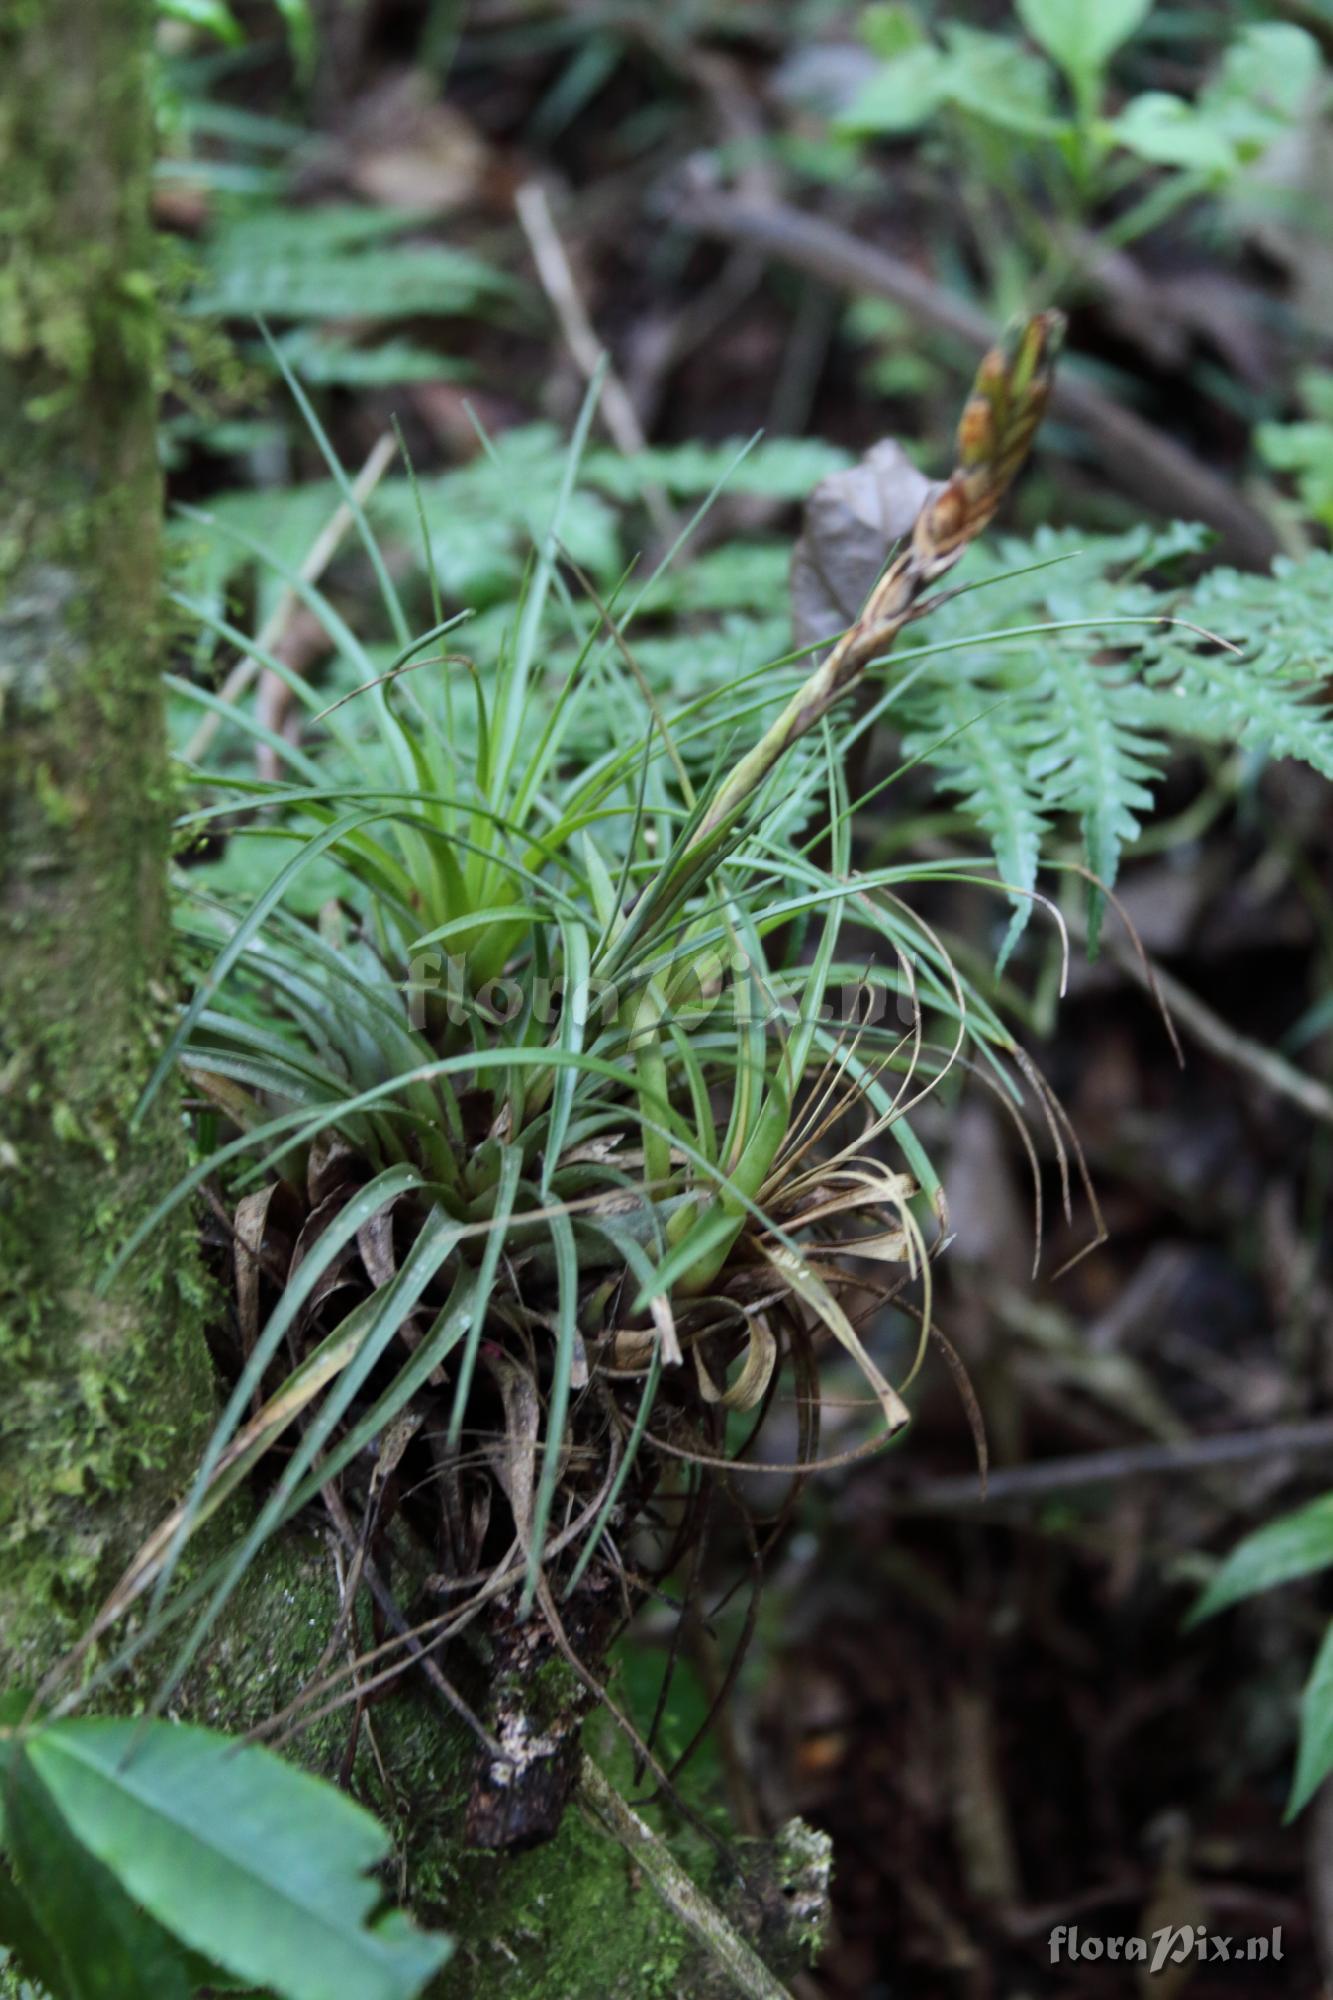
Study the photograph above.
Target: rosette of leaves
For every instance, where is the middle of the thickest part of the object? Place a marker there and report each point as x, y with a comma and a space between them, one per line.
547, 1151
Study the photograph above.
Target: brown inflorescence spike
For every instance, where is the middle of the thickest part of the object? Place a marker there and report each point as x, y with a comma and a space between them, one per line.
976, 432
995, 432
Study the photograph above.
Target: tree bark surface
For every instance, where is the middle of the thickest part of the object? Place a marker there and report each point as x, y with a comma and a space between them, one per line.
102, 1398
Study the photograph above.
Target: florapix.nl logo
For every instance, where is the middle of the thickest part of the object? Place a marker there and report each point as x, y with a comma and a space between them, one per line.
1173, 1944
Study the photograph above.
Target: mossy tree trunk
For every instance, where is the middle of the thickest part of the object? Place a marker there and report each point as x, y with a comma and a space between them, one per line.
102, 1398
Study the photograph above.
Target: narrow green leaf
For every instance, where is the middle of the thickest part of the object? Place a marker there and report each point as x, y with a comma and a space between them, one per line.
1297, 1545
713, 1228
233, 948
301, 32
573, 1021
1314, 1759
473, 920
515, 693
380, 1193
377, 1320
369, 542
632, 1444
506, 1190
557, 1406
451, 1322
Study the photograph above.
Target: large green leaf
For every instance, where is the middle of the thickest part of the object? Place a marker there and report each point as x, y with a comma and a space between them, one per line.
23, 1942
1267, 79
1172, 133
1265, 82
1296, 1545
992, 77
251, 1862
901, 97
995, 78
1082, 34
67, 1917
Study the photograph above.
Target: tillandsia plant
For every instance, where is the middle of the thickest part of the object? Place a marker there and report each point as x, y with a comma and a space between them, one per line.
552, 1153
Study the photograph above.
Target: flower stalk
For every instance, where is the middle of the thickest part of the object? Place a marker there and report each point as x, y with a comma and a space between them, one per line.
995, 433
994, 436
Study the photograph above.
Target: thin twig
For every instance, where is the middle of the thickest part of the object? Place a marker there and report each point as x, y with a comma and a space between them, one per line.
1102, 1468
1199, 1021
701, 1917
382, 1595
558, 281
995, 434
321, 554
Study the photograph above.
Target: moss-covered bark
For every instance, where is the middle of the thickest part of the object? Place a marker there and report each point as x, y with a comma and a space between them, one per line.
101, 1398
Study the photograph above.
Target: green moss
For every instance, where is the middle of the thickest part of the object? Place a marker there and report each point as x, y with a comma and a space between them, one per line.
547, 1698
568, 1921
784, 1907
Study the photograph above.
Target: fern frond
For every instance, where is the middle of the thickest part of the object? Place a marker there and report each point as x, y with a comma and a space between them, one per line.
1090, 760
973, 744
1032, 726
1272, 696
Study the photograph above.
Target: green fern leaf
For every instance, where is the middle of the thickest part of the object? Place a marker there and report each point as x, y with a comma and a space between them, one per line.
1088, 759
978, 753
